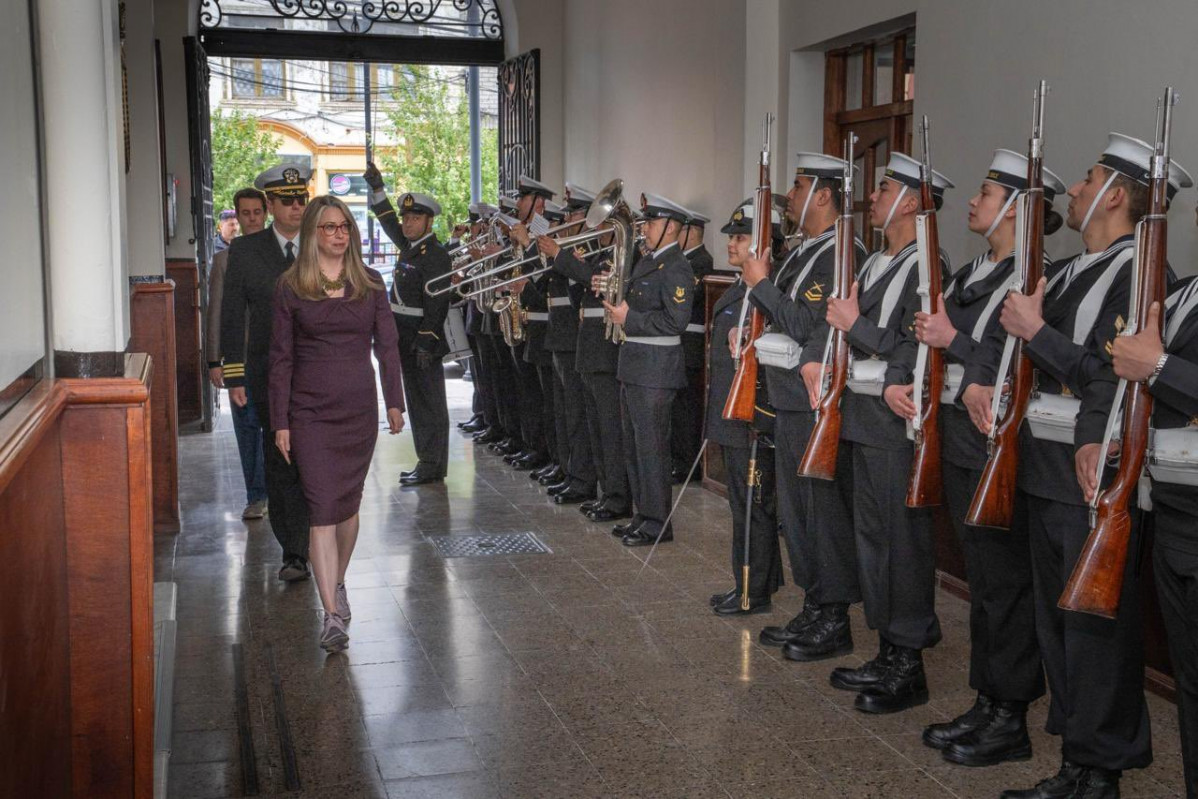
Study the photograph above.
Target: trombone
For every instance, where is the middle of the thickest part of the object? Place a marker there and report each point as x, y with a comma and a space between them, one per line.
569, 241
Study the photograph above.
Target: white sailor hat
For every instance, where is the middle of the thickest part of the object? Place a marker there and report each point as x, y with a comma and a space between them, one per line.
905, 170
507, 204
485, 210
1132, 157
578, 198
1009, 168
695, 219
820, 166
654, 206
554, 212
529, 186
741, 220
412, 203
284, 180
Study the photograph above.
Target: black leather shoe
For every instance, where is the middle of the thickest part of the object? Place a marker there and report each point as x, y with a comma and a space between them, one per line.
640, 537
678, 474
488, 436
621, 530
1061, 785
939, 736
419, 477
828, 636
719, 599
408, 472
473, 424
1004, 737
499, 445
779, 636
903, 686
531, 460
509, 447
510, 458
552, 477
731, 607
547, 469
867, 673
605, 513
1098, 783
559, 488
572, 496
590, 505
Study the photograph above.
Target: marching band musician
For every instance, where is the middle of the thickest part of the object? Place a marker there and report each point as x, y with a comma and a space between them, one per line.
596, 359
577, 468
652, 368
483, 405
733, 438
1095, 667
895, 548
420, 319
814, 515
497, 361
688, 404
1004, 664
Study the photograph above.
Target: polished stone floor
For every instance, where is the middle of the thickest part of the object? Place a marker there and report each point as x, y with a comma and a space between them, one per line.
576, 674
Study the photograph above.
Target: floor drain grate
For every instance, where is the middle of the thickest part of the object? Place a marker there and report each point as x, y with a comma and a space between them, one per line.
473, 546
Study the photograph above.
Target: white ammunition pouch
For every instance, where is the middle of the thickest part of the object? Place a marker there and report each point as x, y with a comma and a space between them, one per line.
867, 376
1173, 455
778, 350
954, 374
1052, 417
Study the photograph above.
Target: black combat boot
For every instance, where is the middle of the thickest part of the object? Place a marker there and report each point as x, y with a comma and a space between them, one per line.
904, 685
1061, 785
828, 636
1098, 783
1004, 737
868, 673
779, 636
939, 736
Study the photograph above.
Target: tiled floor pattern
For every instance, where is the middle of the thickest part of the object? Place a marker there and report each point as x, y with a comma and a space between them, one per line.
577, 674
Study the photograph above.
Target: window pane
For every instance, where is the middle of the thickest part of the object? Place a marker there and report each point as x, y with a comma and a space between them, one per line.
909, 77
243, 77
384, 79
854, 65
272, 79
339, 81
884, 73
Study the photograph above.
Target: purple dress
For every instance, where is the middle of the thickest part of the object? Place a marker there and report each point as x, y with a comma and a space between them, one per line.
322, 389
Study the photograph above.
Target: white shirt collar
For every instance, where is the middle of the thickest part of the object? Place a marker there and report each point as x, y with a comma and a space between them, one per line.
692, 249
422, 238
283, 240
665, 248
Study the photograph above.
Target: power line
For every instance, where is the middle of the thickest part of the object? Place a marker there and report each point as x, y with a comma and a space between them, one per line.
290, 84
406, 75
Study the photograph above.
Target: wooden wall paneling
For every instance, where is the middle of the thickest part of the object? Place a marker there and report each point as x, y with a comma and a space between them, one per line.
35, 663
188, 339
834, 95
152, 310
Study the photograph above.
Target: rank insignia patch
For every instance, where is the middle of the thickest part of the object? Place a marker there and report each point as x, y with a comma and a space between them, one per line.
814, 293
580, 253
680, 294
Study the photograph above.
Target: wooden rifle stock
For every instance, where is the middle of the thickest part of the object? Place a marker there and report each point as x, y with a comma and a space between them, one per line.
925, 483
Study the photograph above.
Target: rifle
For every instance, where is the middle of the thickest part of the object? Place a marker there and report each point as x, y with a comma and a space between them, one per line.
742, 396
924, 487
819, 459
1097, 579
994, 501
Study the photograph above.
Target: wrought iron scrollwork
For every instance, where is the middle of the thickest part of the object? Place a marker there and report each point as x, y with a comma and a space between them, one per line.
479, 18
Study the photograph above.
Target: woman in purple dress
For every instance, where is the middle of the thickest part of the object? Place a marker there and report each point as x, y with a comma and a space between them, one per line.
329, 310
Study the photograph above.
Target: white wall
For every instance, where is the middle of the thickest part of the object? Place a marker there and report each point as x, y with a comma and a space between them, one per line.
173, 20
144, 196
539, 24
654, 94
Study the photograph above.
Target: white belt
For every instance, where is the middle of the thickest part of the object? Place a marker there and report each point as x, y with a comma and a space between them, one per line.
1052, 417
592, 313
656, 341
954, 374
538, 316
867, 377
695, 329
405, 310
1173, 456
559, 302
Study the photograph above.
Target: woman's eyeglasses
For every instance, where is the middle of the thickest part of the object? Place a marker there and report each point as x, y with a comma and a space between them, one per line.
330, 229
302, 199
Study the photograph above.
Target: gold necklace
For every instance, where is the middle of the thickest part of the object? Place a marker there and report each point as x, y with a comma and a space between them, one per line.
327, 285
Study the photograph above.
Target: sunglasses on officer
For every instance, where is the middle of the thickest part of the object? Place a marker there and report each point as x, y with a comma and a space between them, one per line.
290, 200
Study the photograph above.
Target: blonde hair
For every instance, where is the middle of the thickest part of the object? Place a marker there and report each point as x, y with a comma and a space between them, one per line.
304, 275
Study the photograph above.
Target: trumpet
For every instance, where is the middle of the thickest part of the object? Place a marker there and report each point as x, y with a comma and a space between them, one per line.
485, 277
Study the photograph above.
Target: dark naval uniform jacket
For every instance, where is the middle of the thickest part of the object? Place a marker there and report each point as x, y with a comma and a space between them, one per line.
594, 353
660, 294
564, 298
535, 301
419, 317
255, 263
693, 340
721, 369
794, 300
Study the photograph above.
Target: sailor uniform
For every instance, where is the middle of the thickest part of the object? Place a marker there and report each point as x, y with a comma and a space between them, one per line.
536, 366
733, 438
595, 362
687, 416
815, 516
561, 339
255, 263
420, 319
651, 369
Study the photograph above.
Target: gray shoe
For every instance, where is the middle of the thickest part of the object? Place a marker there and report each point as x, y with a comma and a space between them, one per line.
254, 510
334, 638
343, 603
294, 569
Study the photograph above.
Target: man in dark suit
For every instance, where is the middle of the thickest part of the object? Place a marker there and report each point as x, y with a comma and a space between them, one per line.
420, 318
255, 263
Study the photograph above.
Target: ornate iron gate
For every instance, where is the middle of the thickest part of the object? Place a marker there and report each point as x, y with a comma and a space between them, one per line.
519, 119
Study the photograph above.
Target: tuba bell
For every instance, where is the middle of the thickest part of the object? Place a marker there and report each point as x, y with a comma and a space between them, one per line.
609, 206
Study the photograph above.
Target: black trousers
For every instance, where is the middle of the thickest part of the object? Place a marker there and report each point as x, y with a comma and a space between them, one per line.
424, 392
607, 437
896, 553
497, 364
1177, 586
549, 412
765, 555
573, 436
484, 392
646, 418
1095, 666
288, 512
529, 413
791, 431
1004, 655
687, 421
